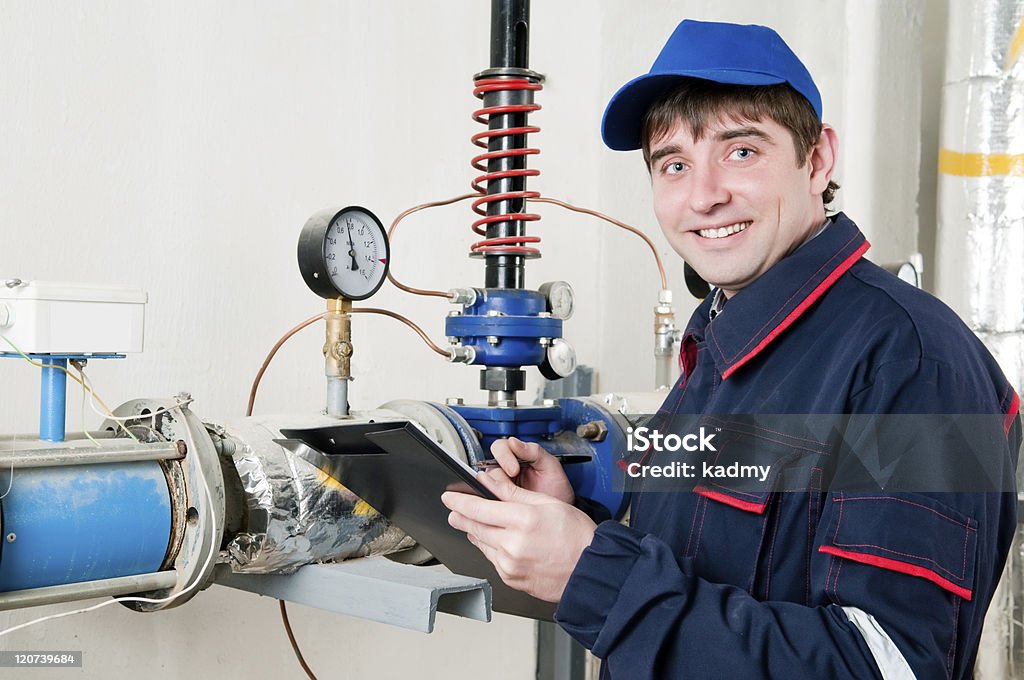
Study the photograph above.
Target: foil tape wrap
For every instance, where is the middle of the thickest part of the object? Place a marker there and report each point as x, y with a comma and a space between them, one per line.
980, 244
295, 513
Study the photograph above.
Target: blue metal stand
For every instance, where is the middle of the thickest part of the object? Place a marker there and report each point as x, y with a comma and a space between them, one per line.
53, 399
54, 389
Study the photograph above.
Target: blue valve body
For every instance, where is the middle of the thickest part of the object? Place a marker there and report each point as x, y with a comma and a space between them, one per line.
510, 316
554, 428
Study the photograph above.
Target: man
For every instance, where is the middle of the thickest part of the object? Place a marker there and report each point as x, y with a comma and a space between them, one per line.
725, 582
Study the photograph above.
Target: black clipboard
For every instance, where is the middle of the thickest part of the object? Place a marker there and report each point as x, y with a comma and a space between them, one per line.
402, 473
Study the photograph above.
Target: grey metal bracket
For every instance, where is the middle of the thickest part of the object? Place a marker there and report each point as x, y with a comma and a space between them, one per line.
373, 588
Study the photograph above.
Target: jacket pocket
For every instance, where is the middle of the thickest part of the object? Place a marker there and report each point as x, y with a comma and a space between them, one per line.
907, 533
727, 534
744, 501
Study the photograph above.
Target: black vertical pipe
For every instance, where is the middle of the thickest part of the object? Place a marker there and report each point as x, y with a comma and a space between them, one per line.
510, 33
510, 49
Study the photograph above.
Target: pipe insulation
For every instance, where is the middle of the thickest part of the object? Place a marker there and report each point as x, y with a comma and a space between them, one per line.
980, 235
294, 513
980, 239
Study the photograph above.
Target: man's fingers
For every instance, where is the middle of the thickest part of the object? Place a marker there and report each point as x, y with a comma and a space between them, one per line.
528, 451
509, 452
500, 484
485, 533
506, 459
489, 551
540, 460
507, 490
480, 509
493, 556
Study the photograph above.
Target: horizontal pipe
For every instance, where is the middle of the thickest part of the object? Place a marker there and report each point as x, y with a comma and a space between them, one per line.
88, 455
123, 585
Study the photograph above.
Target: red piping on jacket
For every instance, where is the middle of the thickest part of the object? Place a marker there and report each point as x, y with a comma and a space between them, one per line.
749, 506
1011, 413
902, 567
807, 302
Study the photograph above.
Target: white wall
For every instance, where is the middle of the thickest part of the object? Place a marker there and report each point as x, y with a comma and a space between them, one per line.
180, 146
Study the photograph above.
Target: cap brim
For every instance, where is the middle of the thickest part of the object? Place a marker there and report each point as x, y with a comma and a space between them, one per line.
623, 119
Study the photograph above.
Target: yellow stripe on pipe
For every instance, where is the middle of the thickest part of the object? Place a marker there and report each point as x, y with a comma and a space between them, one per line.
1016, 46
980, 164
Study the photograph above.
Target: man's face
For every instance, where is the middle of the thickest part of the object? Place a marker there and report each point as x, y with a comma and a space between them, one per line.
733, 203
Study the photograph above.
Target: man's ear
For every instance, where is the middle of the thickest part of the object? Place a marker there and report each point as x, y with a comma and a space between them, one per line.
823, 157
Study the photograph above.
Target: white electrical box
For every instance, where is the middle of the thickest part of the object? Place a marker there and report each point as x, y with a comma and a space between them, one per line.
47, 317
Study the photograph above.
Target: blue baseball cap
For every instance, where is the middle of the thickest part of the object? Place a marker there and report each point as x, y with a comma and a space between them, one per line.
724, 53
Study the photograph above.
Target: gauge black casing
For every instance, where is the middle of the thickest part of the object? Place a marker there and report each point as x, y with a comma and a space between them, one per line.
312, 265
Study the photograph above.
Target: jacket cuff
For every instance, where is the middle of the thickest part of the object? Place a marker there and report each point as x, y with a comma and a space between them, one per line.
597, 580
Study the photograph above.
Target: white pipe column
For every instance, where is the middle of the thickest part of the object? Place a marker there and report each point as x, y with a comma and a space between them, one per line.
980, 238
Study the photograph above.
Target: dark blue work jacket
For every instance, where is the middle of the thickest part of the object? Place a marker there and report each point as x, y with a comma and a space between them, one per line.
722, 583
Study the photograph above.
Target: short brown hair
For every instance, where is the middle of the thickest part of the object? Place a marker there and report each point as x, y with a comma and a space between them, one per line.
699, 103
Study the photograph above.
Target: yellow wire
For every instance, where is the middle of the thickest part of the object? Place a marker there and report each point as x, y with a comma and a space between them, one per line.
81, 372
73, 377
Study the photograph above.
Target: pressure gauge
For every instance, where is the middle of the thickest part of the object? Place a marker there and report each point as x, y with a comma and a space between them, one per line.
344, 253
560, 360
560, 298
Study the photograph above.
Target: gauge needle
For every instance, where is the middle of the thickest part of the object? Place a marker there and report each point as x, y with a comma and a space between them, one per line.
352, 250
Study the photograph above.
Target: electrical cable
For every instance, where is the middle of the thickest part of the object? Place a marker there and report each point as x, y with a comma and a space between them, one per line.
153, 414
73, 377
120, 420
10, 481
81, 372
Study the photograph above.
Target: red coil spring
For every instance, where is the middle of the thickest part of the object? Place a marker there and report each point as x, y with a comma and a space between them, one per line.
509, 245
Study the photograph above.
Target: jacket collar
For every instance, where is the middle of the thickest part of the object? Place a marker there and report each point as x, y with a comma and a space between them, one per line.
762, 311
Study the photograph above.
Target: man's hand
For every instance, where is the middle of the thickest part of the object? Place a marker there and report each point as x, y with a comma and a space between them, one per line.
532, 539
543, 474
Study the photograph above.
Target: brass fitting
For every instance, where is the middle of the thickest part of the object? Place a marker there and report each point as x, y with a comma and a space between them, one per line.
338, 348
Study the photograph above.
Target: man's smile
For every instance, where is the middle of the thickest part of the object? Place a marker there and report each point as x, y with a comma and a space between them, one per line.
722, 232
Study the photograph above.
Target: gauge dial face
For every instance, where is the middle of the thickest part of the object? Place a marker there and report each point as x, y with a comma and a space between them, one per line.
344, 253
560, 298
561, 358
355, 254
